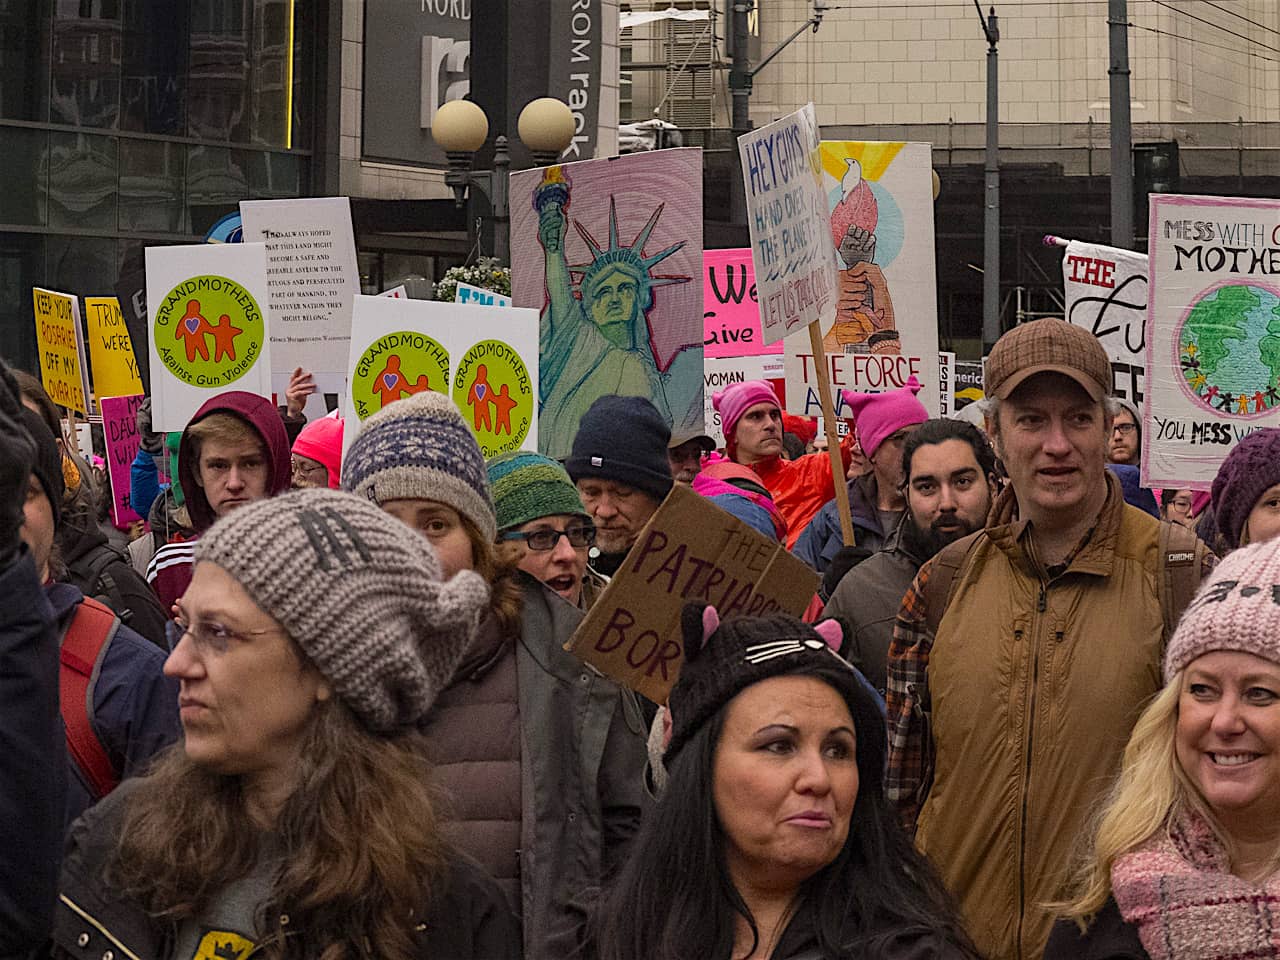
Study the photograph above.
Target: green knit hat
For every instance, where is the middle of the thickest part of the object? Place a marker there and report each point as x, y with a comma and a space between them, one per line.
527, 486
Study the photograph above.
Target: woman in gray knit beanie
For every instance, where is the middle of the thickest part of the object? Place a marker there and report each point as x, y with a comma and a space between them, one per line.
542, 754
298, 816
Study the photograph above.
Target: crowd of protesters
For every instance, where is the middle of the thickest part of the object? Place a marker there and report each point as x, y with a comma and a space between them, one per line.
321, 704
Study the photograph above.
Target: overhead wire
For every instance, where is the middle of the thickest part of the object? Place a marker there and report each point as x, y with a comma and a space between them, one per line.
1202, 43
1216, 26
1229, 12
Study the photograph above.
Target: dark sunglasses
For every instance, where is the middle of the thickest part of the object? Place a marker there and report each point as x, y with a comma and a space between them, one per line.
540, 540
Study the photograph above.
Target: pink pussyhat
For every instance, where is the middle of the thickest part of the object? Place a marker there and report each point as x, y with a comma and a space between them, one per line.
735, 400
881, 415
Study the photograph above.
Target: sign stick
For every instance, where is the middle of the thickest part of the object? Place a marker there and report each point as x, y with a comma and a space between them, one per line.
833, 434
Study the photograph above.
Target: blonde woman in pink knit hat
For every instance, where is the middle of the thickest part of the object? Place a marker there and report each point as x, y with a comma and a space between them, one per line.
1185, 860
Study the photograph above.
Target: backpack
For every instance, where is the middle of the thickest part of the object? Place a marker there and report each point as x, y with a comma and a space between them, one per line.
84, 643
90, 574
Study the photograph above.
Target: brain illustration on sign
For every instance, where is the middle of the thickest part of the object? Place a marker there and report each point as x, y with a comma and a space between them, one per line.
492, 389
209, 331
1229, 350
395, 366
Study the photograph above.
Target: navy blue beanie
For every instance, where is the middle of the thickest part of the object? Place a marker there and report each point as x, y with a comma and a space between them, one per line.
623, 439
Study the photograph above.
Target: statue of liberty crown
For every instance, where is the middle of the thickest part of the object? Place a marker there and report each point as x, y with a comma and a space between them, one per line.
632, 256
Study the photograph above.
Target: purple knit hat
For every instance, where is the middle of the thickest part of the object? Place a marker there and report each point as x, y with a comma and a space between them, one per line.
735, 400
1245, 475
1234, 609
881, 415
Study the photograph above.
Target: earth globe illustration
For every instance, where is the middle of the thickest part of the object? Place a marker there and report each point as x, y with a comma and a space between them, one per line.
1229, 350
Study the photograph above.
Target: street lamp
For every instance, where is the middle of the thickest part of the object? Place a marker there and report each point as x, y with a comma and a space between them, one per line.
546, 126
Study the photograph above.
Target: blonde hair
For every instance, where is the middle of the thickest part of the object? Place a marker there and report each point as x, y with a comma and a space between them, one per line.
224, 428
1150, 793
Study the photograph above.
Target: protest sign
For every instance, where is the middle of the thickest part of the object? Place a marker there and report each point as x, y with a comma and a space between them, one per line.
968, 388
486, 360
1106, 293
479, 296
312, 275
731, 306
399, 291
610, 253
880, 198
1213, 334
795, 263
60, 341
209, 326
114, 364
131, 294
689, 550
721, 372
946, 383
120, 431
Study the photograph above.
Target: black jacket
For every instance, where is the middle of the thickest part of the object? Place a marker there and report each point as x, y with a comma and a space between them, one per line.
32, 762
1109, 937
468, 920
105, 574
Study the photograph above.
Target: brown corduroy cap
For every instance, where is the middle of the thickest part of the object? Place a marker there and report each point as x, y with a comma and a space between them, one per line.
1043, 346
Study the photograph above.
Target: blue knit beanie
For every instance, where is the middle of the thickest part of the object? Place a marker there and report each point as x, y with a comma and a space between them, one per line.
623, 439
420, 448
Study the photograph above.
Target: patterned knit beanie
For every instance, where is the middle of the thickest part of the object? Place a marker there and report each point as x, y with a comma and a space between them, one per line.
1246, 474
1235, 608
623, 439
881, 415
723, 659
528, 486
359, 592
420, 448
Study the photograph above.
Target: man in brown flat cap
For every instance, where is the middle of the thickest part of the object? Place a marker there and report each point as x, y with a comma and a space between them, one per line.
1023, 653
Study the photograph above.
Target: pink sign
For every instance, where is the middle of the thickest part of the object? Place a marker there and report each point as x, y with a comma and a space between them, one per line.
120, 429
730, 308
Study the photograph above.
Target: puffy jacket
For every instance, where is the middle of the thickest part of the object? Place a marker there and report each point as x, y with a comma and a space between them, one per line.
547, 790
869, 598
822, 539
800, 487
468, 921
1035, 686
32, 763
135, 706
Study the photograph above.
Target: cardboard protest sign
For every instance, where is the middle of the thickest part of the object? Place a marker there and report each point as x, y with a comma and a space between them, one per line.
610, 253
721, 372
131, 294
60, 341
1106, 293
209, 326
115, 366
312, 275
689, 550
731, 306
787, 215
120, 431
479, 296
1213, 334
880, 198
485, 359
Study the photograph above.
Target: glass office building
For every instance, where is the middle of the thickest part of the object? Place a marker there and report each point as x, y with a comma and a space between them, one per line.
134, 123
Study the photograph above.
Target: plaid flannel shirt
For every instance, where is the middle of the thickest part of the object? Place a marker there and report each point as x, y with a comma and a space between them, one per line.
907, 702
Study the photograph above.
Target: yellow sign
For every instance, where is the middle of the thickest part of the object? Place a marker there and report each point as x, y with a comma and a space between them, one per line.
115, 366
62, 368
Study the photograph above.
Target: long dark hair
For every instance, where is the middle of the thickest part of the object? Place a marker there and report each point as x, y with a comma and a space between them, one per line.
673, 899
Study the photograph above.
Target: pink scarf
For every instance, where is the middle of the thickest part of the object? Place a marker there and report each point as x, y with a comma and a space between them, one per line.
1178, 889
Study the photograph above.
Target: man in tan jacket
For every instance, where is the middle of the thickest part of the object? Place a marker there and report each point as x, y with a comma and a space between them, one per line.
1023, 653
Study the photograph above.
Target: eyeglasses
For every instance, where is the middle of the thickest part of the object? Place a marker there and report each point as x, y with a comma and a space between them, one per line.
1180, 504
541, 540
211, 637
1124, 429
308, 471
